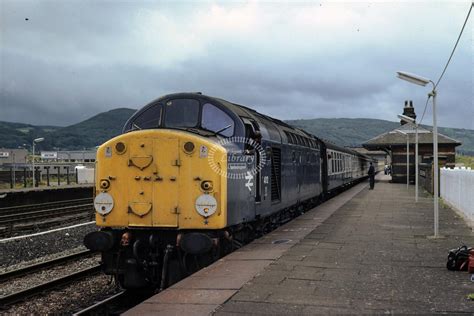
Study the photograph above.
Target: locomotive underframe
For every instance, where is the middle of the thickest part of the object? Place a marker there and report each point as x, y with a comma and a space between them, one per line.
157, 258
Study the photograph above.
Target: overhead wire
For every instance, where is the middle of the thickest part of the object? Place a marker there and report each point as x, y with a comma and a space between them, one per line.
455, 45
449, 60
424, 111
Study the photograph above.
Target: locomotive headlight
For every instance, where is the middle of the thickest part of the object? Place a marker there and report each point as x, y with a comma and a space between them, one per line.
188, 147
120, 148
206, 185
103, 203
206, 205
104, 184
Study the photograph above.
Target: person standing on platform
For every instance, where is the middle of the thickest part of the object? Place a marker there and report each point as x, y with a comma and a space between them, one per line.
371, 176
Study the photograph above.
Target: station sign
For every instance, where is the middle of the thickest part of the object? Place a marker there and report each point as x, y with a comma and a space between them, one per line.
4, 154
49, 155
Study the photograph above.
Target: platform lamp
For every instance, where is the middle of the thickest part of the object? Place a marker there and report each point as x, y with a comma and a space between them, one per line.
423, 82
412, 121
408, 155
36, 140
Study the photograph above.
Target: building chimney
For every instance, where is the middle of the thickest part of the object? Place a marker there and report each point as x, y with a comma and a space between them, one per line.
409, 111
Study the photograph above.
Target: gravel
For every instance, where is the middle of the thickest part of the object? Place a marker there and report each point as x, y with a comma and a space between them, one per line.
18, 253
22, 252
67, 300
48, 274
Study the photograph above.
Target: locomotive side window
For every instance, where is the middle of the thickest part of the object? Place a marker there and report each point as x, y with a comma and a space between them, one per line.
216, 120
182, 113
149, 118
333, 162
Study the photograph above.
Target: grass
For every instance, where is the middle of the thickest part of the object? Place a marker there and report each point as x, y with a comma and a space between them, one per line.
468, 161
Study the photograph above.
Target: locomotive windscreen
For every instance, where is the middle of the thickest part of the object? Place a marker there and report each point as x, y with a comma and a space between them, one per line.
182, 113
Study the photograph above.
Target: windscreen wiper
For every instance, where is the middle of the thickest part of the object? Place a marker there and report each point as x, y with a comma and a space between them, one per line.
135, 127
216, 132
223, 129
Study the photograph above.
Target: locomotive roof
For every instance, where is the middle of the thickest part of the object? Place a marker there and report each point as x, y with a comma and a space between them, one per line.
239, 110
246, 112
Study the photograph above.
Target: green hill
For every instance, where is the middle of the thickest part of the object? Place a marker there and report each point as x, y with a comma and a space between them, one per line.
84, 135
354, 132
96, 130
345, 131
14, 135
91, 132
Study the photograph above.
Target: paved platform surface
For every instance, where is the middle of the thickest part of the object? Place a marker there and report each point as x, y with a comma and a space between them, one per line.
365, 251
53, 186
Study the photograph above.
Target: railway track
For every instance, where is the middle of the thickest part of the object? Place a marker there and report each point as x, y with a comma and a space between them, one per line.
38, 216
43, 265
49, 285
31, 207
116, 304
108, 306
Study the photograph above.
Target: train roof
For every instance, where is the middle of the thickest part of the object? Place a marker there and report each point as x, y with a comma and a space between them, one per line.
245, 112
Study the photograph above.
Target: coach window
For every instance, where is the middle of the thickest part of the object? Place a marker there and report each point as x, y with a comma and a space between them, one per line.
216, 120
182, 113
149, 118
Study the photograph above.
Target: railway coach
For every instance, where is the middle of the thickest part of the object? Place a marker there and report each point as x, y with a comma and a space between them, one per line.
193, 177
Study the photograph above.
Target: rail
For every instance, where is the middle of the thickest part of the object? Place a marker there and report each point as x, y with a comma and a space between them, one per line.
103, 307
45, 264
47, 286
37, 216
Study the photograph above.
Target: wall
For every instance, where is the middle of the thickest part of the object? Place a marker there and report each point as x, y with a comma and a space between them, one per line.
426, 177
13, 156
425, 152
457, 189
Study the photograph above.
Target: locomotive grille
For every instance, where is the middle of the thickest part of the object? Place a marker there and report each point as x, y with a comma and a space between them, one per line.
276, 174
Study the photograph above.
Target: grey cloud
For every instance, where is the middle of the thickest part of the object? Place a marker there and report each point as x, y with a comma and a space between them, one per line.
69, 62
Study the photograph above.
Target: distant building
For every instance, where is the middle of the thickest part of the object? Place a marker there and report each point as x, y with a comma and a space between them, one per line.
69, 156
382, 157
13, 156
395, 144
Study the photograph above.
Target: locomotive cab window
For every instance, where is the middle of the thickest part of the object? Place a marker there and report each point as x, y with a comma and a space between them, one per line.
182, 113
216, 120
149, 118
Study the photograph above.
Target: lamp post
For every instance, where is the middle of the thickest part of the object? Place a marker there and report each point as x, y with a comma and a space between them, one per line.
408, 155
14, 167
423, 82
412, 121
36, 140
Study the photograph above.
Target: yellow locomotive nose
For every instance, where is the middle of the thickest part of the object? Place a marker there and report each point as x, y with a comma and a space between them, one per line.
157, 178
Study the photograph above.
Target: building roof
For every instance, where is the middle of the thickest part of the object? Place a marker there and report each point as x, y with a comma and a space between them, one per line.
365, 151
393, 137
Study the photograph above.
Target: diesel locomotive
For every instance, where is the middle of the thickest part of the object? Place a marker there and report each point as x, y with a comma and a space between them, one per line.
193, 177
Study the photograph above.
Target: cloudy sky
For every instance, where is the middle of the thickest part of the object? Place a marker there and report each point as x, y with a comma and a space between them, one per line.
65, 61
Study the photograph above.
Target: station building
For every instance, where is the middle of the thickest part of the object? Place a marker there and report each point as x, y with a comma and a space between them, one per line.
13, 156
82, 156
394, 143
382, 157
16, 165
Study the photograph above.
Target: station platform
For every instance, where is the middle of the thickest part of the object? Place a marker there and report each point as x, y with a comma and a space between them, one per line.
46, 188
364, 251
44, 194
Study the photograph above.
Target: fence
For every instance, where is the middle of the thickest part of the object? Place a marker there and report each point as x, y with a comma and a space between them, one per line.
457, 188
